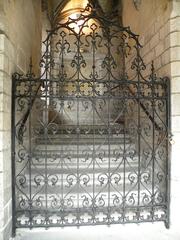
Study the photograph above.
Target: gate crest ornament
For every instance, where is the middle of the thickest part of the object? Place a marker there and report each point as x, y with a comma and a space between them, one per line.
90, 135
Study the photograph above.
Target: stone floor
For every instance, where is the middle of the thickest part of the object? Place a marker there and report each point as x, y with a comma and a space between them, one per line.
144, 231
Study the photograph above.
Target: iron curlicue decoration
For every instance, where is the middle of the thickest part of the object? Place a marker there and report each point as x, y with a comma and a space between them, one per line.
90, 140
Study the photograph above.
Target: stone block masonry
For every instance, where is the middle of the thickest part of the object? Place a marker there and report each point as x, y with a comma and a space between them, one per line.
175, 113
20, 38
158, 24
5, 140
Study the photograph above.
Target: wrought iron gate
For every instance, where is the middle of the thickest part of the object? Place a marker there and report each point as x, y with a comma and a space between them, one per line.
90, 135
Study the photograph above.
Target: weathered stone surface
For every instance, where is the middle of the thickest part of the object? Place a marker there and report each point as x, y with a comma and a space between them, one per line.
175, 69
175, 84
175, 53
20, 38
176, 123
175, 39
154, 40
5, 83
165, 57
5, 105
160, 48
175, 9
176, 104
157, 63
164, 16
175, 24
4, 63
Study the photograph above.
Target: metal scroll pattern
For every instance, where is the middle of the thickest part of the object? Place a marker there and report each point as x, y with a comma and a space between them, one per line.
93, 148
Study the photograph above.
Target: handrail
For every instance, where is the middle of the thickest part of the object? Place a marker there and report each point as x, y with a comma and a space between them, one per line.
26, 115
157, 127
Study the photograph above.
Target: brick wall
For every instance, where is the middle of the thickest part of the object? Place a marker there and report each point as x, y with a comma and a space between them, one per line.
20, 37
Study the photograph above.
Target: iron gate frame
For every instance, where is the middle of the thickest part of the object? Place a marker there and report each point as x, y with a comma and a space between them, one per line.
138, 66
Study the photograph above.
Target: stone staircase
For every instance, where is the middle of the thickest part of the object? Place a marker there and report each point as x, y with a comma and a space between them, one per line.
81, 171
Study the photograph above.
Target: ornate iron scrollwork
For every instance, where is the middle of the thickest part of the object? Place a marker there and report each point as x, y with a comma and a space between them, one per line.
90, 135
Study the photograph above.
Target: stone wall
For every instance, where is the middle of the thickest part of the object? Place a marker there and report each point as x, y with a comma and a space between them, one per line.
20, 38
174, 36
152, 23
158, 24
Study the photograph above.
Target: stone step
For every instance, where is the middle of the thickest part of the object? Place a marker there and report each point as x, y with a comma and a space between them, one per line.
86, 177
82, 155
84, 136
82, 164
83, 202
99, 130
65, 170
82, 140
53, 157
77, 148
106, 166
74, 193
57, 128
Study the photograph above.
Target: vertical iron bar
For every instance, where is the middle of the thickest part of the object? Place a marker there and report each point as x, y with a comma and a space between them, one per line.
94, 105
30, 150
78, 126
139, 133
124, 173
78, 178
168, 159
62, 147
46, 131
109, 126
153, 140
62, 159
13, 154
124, 137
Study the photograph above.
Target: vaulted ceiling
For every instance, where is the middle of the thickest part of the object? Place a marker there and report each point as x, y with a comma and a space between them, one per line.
56, 3
55, 7
106, 5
